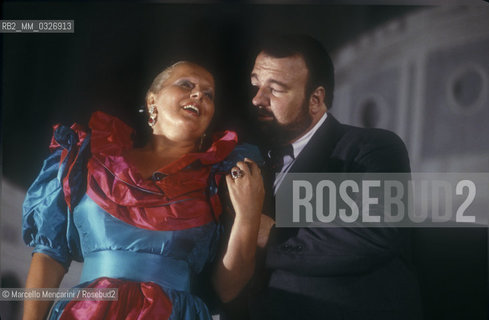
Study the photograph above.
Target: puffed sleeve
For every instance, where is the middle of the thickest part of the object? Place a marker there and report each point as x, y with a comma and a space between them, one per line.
47, 224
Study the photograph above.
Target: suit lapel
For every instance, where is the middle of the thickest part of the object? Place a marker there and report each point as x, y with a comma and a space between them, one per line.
316, 155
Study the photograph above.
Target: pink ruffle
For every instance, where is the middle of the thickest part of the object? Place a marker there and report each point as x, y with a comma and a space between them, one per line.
178, 201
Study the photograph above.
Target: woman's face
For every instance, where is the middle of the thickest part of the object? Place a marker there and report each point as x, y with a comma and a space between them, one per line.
185, 104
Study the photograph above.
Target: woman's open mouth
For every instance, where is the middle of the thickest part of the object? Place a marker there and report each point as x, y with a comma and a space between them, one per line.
192, 109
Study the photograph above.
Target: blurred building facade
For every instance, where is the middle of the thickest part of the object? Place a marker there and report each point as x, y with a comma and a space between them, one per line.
426, 77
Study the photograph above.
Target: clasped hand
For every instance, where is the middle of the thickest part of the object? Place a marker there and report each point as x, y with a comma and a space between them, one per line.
247, 191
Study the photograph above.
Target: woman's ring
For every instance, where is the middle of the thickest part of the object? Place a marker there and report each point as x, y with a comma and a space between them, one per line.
236, 173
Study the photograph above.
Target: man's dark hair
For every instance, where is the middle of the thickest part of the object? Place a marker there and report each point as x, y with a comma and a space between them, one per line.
317, 59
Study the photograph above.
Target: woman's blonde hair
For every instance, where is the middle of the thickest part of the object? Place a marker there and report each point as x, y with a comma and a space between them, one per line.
158, 81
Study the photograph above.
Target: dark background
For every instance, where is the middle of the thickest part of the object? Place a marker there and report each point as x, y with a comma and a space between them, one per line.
116, 50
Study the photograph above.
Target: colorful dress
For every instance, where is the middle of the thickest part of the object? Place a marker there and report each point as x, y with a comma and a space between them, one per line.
147, 238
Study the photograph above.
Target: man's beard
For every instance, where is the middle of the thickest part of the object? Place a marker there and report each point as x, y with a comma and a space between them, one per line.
281, 134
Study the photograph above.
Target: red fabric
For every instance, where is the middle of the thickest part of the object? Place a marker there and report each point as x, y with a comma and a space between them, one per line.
178, 201
136, 300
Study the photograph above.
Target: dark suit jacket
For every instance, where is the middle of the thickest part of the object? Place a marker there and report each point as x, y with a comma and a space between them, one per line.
342, 273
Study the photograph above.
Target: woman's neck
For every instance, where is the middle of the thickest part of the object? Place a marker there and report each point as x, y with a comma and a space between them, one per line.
162, 147
158, 153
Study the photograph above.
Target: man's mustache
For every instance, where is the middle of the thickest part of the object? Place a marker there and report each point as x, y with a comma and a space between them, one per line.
262, 112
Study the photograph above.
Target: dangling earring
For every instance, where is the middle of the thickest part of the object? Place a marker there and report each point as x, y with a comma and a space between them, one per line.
152, 116
201, 144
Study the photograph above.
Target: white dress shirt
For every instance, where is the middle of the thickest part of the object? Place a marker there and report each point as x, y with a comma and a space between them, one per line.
297, 146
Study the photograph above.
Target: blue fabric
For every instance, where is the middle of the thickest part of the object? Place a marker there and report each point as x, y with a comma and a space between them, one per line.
99, 231
121, 264
240, 152
46, 224
114, 248
68, 139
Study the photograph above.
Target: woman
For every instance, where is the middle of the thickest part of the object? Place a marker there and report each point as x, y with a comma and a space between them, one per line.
143, 220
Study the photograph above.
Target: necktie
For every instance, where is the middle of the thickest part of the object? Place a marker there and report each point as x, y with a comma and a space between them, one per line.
277, 156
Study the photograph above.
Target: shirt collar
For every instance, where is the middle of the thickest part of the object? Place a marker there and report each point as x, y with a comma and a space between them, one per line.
302, 141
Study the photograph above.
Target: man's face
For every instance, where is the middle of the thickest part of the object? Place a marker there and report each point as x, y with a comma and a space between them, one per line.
280, 98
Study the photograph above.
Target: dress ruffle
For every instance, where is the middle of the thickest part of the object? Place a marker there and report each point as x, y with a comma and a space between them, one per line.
179, 201
110, 205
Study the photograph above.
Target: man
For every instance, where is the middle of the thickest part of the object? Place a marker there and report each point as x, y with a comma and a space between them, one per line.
325, 273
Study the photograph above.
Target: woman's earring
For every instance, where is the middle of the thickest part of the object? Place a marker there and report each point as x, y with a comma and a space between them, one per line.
201, 144
152, 116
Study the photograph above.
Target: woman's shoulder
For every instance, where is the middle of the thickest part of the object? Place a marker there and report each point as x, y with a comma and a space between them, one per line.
109, 134
104, 132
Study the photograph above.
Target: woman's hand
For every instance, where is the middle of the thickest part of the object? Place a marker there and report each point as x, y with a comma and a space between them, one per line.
237, 264
247, 192
247, 198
